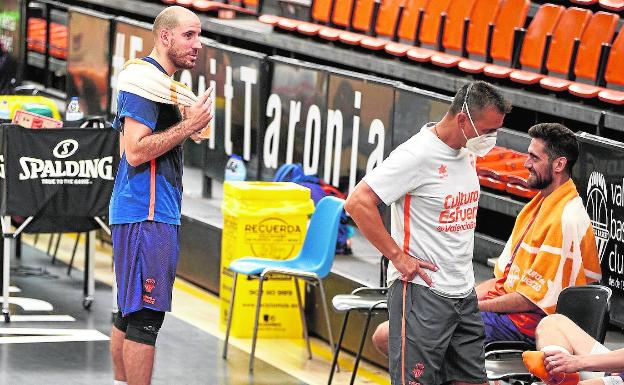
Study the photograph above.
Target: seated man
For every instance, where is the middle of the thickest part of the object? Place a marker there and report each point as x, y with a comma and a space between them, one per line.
568, 355
552, 246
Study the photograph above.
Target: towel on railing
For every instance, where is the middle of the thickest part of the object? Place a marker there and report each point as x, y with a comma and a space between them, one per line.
558, 250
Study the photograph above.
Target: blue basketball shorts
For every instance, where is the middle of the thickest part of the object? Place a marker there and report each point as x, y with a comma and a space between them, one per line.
145, 256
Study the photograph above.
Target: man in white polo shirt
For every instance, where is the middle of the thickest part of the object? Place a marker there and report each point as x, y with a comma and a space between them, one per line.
436, 330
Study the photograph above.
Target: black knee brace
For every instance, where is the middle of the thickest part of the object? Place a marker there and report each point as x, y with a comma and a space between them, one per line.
121, 322
143, 326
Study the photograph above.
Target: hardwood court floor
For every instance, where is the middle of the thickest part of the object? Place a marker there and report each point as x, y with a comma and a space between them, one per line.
189, 346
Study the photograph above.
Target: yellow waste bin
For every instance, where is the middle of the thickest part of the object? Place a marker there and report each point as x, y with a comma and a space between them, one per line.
266, 220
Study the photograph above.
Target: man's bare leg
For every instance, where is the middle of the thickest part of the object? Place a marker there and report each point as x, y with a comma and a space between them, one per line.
559, 330
116, 349
380, 338
138, 362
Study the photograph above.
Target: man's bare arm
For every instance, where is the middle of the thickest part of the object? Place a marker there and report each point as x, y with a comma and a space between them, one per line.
362, 206
484, 287
508, 303
142, 145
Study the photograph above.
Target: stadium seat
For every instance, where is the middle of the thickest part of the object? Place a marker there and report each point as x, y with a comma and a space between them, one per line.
600, 30
312, 264
408, 27
454, 33
320, 14
385, 26
206, 5
512, 15
584, 2
358, 19
482, 16
613, 76
612, 5
340, 17
214, 6
362, 22
559, 52
184, 3
429, 31
533, 43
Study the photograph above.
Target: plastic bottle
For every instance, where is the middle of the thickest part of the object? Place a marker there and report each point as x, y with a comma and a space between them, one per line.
73, 112
5, 110
235, 169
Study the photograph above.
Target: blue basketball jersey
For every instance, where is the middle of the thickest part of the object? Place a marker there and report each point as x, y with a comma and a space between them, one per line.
153, 190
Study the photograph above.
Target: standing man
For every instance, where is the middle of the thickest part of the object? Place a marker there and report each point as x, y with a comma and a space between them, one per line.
145, 204
436, 331
558, 245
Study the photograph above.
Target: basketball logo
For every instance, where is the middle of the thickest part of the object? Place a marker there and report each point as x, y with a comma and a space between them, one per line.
597, 210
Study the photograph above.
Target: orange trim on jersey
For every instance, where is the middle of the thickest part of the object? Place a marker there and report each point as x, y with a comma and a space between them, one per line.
406, 241
406, 223
152, 201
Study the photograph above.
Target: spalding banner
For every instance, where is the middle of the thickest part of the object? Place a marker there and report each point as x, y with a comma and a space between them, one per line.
58, 173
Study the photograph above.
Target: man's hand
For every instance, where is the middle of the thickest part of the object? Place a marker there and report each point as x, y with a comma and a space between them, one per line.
199, 114
197, 138
410, 267
557, 362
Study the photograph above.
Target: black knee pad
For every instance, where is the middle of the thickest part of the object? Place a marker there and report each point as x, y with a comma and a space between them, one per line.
144, 325
121, 322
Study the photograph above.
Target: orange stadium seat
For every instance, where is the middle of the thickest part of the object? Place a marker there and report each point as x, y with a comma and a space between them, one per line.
185, 3
569, 28
168, 2
362, 22
215, 6
386, 25
204, 5
454, 32
503, 169
496, 154
36, 38
614, 76
340, 17
584, 2
482, 15
408, 27
534, 41
520, 190
612, 5
320, 13
429, 30
512, 15
600, 30
359, 18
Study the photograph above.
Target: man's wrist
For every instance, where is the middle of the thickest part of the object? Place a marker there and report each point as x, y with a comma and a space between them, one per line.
395, 255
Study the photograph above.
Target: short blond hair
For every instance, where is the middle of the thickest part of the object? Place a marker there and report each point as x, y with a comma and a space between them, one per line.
168, 18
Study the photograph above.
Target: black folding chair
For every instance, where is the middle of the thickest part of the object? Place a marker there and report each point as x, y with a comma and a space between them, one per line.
368, 300
587, 306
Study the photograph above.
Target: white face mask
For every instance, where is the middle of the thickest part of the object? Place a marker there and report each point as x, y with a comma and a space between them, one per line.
480, 145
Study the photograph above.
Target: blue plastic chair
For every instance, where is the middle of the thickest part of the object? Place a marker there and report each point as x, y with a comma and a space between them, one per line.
312, 264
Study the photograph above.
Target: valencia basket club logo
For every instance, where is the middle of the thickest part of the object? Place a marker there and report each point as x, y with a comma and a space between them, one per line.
149, 285
597, 210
